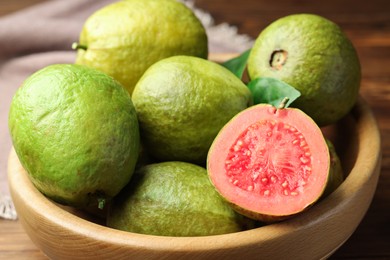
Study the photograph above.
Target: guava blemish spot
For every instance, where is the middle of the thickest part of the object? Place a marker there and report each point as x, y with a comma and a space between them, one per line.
278, 59
269, 157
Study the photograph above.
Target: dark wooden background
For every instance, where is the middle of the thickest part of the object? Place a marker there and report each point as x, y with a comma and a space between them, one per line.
367, 23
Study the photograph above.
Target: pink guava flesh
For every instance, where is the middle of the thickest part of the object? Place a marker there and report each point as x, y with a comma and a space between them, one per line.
280, 163
269, 162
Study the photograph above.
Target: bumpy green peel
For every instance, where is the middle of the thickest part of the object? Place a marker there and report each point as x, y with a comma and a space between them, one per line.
124, 38
313, 55
75, 131
173, 199
182, 102
336, 173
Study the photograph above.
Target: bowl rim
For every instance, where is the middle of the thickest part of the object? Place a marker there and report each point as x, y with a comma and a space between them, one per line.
262, 236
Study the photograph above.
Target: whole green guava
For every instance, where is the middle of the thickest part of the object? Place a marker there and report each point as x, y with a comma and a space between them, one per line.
75, 131
124, 38
182, 102
173, 199
312, 54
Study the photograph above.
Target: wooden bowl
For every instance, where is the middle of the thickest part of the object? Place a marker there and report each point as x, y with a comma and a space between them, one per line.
314, 234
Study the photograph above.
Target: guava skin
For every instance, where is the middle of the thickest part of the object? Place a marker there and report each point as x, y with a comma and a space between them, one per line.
75, 131
182, 102
313, 55
173, 199
336, 173
126, 37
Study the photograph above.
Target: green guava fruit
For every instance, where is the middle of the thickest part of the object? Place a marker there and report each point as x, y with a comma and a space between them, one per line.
313, 55
173, 199
124, 38
336, 173
182, 102
75, 131
269, 164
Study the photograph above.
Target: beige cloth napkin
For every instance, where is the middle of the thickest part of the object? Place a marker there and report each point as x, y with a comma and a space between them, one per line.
43, 34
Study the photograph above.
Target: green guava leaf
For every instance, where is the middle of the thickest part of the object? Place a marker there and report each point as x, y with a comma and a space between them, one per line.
272, 91
237, 64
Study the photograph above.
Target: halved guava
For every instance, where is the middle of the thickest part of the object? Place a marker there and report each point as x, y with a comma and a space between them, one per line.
269, 163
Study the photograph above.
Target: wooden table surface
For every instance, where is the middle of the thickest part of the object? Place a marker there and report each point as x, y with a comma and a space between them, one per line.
367, 23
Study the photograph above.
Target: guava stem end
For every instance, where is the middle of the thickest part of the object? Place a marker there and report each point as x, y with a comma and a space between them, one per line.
101, 203
78, 46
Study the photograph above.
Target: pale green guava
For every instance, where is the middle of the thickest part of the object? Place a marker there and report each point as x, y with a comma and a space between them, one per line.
182, 102
124, 38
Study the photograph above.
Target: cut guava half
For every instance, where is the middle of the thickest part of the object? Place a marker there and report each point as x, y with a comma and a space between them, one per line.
269, 163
